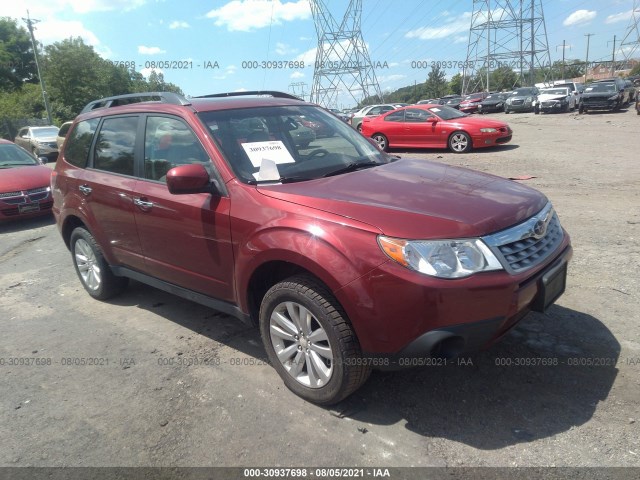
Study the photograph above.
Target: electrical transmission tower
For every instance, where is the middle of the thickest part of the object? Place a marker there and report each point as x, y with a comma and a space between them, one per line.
631, 39
506, 33
342, 60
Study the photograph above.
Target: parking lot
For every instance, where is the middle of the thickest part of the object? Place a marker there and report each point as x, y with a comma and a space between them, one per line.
150, 379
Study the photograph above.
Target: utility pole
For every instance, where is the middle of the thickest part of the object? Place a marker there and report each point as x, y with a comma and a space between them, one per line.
30, 24
613, 56
586, 62
564, 46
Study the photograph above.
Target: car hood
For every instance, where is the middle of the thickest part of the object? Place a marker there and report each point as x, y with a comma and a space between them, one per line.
492, 102
471, 102
24, 178
478, 122
413, 198
599, 94
545, 97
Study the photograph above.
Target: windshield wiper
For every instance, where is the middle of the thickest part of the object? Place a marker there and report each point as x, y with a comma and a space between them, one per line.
352, 167
279, 180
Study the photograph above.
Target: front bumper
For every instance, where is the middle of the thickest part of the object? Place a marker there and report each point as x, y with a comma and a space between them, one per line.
552, 107
404, 315
521, 107
600, 104
25, 204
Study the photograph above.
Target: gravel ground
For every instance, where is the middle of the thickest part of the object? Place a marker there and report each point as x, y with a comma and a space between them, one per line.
143, 402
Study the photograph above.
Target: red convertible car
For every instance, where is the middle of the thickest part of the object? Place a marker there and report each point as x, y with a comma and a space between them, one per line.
435, 126
25, 189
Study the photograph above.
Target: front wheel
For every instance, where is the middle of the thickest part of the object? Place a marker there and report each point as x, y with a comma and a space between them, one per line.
382, 141
460, 142
359, 128
310, 342
92, 268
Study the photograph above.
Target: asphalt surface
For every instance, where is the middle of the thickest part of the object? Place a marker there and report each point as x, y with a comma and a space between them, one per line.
150, 379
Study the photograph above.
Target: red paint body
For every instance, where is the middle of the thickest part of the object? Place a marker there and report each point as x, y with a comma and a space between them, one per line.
214, 244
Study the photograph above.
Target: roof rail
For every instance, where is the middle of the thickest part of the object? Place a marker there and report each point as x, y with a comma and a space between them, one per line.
117, 100
271, 93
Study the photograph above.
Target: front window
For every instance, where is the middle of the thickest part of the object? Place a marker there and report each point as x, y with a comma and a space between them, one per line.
272, 144
521, 92
601, 88
14, 156
555, 91
447, 113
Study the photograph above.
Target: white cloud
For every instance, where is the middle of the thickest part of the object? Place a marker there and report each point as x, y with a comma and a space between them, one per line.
51, 31
246, 15
619, 17
178, 24
284, 49
390, 78
47, 8
579, 17
143, 50
295, 75
455, 26
147, 71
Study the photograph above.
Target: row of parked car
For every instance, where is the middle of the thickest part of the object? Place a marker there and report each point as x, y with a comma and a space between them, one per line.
563, 96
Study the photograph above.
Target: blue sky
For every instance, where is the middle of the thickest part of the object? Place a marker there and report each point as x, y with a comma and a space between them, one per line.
231, 36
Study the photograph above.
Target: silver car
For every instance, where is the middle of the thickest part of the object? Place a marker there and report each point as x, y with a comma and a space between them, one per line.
41, 141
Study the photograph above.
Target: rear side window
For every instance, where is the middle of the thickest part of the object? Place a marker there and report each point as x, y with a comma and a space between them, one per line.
114, 150
78, 144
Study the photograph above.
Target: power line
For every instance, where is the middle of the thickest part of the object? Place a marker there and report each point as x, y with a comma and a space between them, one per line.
30, 22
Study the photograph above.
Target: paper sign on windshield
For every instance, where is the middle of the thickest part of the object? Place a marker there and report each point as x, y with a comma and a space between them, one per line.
274, 150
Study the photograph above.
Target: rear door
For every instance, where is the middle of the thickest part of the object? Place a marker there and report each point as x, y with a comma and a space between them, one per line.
107, 187
186, 239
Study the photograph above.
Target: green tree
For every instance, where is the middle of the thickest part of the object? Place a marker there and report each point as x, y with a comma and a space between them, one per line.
503, 78
455, 84
17, 64
436, 85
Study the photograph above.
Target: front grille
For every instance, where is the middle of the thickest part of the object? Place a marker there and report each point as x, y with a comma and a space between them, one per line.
503, 139
547, 104
37, 190
522, 247
10, 194
517, 102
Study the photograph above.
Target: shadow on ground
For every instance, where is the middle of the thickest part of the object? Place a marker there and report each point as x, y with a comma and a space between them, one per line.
543, 378
23, 224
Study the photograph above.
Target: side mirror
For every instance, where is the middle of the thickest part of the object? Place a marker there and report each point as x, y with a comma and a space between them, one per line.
43, 160
432, 120
192, 178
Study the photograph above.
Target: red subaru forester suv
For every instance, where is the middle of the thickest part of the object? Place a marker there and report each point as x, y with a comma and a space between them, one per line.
345, 257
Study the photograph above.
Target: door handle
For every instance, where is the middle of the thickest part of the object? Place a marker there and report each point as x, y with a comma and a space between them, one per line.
85, 189
143, 204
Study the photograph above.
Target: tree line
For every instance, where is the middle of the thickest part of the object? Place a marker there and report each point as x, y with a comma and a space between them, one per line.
73, 72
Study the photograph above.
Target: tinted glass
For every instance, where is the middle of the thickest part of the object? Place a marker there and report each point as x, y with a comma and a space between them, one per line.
77, 148
395, 117
447, 113
169, 142
14, 156
269, 143
114, 150
416, 115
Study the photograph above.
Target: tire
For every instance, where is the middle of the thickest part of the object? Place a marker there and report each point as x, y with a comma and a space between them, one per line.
581, 109
459, 142
326, 369
359, 128
92, 269
506, 111
382, 141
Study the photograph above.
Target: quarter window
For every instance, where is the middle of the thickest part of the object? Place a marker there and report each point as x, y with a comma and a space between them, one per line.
77, 150
114, 151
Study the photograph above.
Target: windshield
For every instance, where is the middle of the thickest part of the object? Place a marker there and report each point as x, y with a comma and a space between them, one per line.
44, 132
473, 96
447, 113
555, 91
601, 87
498, 96
13, 156
287, 143
523, 91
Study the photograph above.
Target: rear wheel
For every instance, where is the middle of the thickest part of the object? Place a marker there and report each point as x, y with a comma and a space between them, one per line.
310, 342
92, 268
460, 142
382, 141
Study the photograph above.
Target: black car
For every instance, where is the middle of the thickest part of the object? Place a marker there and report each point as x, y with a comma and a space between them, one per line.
493, 103
452, 101
603, 95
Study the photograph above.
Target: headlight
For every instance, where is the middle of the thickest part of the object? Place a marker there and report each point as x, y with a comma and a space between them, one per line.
614, 97
529, 99
488, 130
441, 258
